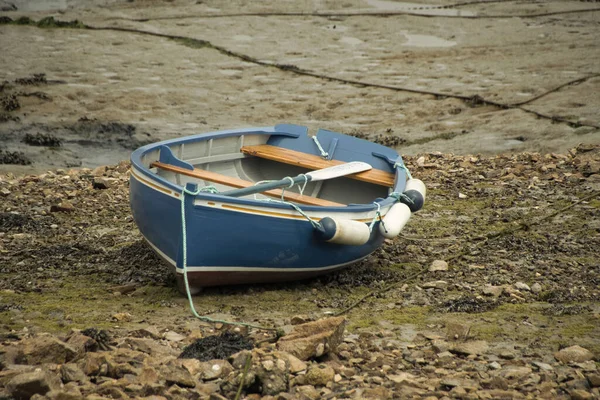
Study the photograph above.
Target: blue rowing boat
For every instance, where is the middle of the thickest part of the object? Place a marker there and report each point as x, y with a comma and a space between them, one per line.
268, 204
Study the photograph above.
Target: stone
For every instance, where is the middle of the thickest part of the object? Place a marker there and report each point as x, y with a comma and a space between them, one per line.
24, 386
515, 372
215, 369
580, 394
490, 290
122, 317
536, 288
70, 372
435, 285
45, 349
295, 364
438, 265
172, 336
456, 331
101, 183
178, 375
319, 374
150, 346
401, 377
542, 366
475, 347
303, 342
574, 354
522, 286
272, 378
63, 206
594, 380
148, 332
379, 393
82, 343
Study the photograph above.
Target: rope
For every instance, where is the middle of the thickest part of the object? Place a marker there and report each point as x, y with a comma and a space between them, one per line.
402, 166
402, 196
324, 154
376, 217
210, 189
296, 207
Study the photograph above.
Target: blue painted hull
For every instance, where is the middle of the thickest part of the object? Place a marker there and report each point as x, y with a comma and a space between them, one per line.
234, 241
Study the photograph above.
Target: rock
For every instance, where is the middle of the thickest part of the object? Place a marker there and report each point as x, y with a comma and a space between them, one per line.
475, 347
522, 286
272, 376
172, 336
489, 290
101, 183
176, 374
456, 331
542, 366
24, 386
401, 377
300, 319
438, 265
122, 317
536, 288
574, 354
70, 372
309, 339
494, 365
379, 393
420, 161
580, 394
63, 206
515, 372
148, 332
4, 192
45, 349
82, 343
215, 369
435, 285
594, 380
295, 364
319, 375
149, 346
462, 195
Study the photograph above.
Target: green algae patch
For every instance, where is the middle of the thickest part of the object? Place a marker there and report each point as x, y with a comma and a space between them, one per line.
417, 316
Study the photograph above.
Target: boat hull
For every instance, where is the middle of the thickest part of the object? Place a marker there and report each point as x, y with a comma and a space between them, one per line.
231, 244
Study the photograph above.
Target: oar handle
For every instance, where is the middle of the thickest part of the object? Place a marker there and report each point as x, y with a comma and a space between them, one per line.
263, 187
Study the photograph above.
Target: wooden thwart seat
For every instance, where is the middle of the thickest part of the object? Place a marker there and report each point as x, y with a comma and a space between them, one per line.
314, 162
240, 183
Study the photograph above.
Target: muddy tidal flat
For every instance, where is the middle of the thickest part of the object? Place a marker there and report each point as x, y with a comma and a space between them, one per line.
491, 292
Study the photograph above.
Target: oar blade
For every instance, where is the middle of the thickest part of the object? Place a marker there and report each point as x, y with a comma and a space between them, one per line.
336, 171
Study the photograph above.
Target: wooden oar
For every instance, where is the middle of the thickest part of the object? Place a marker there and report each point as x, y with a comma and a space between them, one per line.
350, 168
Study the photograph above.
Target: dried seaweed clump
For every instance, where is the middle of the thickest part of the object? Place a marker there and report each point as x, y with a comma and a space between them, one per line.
42, 139
14, 157
217, 347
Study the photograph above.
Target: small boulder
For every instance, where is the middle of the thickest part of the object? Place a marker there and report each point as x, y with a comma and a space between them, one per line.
475, 347
319, 375
24, 386
313, 339
574, 354
45, 349
438, 265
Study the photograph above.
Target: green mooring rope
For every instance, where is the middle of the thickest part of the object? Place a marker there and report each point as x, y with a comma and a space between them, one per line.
209, 189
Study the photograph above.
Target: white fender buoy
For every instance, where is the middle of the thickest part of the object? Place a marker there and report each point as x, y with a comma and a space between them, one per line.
343, 231
394, 221
415, 190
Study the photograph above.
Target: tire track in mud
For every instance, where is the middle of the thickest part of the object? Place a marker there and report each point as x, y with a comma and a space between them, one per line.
471, 101
372, 14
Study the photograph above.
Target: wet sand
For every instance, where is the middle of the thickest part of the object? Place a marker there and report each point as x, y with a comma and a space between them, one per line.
462, 79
